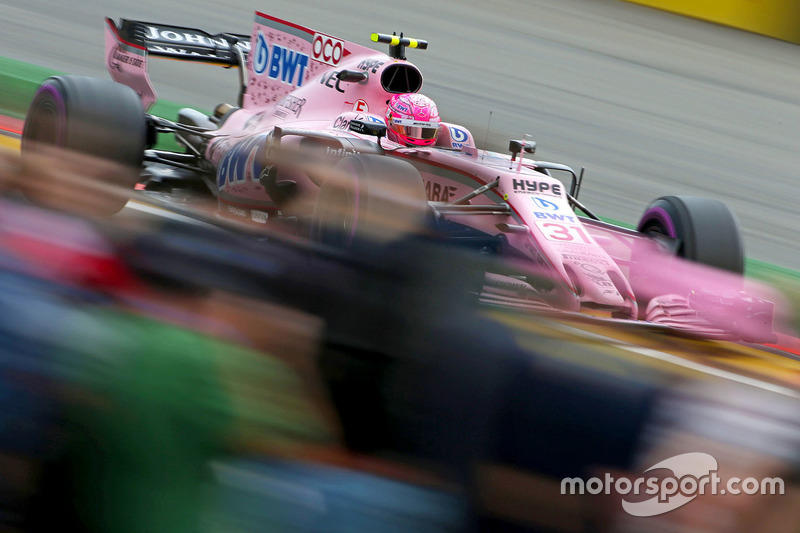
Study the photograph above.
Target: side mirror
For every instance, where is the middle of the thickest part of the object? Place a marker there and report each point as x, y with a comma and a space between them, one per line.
368, 128
515, 147
352, 76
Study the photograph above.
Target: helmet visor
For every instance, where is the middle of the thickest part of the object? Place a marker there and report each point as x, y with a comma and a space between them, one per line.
415, 129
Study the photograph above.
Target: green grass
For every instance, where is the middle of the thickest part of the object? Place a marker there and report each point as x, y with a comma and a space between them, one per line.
785, 280
19, 82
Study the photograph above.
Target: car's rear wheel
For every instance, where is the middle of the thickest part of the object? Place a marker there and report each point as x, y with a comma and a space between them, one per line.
102, 129
706, 230
369, 198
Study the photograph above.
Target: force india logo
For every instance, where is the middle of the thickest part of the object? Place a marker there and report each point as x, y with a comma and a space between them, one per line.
327, 50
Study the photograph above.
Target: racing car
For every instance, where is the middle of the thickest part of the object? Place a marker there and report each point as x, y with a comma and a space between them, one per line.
307, 143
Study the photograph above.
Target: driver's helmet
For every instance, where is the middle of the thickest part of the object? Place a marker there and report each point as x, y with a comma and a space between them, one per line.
412, 119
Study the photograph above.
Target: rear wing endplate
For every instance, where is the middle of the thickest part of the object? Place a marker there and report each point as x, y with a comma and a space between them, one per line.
129, 44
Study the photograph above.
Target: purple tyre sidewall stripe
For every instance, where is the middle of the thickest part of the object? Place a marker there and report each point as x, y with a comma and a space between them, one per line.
658, 213
61, 108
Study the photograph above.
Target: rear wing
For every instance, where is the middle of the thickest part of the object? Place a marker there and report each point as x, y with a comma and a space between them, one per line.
129, 44
178, 42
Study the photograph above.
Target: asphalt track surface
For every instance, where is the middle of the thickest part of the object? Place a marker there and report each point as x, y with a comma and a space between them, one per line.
650, 103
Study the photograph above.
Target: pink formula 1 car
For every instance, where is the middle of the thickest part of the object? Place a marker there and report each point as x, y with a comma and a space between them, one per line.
307, 144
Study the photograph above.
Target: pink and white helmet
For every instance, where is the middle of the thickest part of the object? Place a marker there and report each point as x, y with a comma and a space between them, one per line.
412, 119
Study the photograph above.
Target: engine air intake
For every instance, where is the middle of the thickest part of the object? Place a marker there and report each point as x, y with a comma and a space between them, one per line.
401, 78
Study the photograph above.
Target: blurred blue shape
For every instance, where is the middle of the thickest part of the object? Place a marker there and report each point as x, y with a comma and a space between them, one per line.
271, 495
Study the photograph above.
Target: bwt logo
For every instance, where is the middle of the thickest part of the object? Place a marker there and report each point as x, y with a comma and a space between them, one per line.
279, 63
457, 135
241, 163
327, 50
691, 474
541, 203
403, 108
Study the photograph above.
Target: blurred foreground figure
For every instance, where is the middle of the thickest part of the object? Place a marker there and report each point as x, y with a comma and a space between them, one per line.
180, 404
186, 378
149, 402
167, 399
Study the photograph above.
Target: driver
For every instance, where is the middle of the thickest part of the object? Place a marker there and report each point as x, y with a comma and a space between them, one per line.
412, 119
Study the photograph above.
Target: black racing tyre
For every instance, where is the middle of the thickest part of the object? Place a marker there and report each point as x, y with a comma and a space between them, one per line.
94, 120
706, 230
369, 198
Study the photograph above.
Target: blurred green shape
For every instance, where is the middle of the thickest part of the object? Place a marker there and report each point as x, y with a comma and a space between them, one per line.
150, 405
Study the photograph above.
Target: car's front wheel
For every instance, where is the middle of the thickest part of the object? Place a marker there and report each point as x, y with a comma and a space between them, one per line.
83, 143
705, 230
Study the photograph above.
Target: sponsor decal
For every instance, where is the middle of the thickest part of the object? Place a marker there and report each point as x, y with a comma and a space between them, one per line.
402, 108
585, 258
341, 123
584, 253
330, 80
253, 121
541, 203
122, 57
290, 105
554, 216
372, 65
259, 216
458, 136
340, 152
532, 186
279, 62
188, 38
599, 278
326, 49
240, 162
238, 211
439, 193
180, 51
361, 106
261, 56
409, 122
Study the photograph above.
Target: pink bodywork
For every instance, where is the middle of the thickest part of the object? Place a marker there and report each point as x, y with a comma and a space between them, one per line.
291, 83
127, 64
